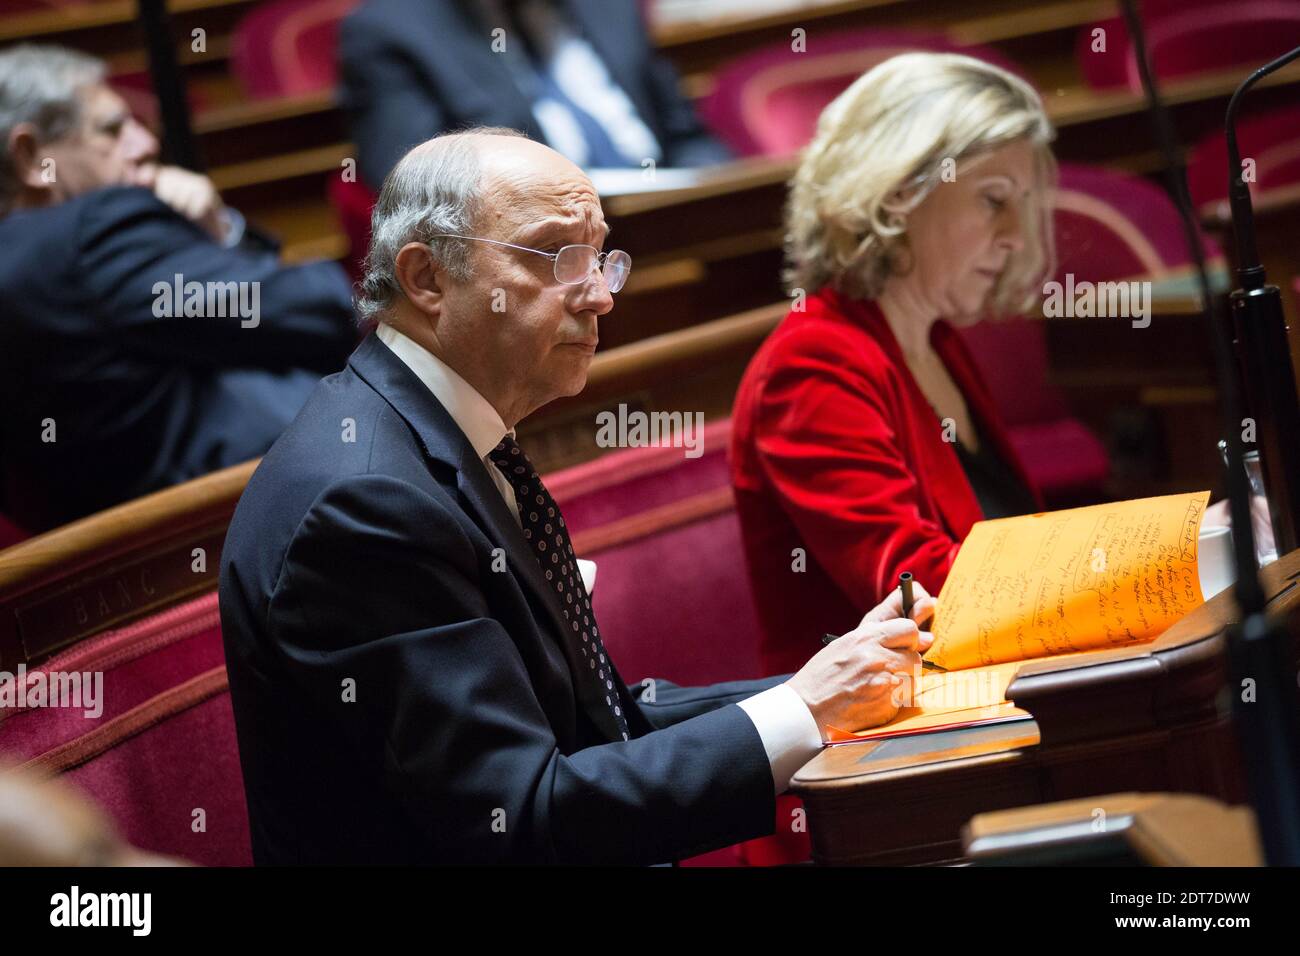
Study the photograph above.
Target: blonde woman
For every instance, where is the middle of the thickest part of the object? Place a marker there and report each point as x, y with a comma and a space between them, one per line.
864, 442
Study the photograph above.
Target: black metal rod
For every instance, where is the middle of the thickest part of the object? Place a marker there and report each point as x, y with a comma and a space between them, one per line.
178, 144
1259, 326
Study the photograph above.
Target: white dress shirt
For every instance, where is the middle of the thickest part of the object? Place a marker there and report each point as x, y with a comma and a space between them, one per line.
789, 733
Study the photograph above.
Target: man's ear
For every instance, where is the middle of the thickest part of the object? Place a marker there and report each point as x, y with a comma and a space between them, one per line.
420, 278
25, 154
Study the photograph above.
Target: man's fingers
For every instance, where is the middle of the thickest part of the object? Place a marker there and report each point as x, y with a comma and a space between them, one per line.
899, 634
892, 605
923, 610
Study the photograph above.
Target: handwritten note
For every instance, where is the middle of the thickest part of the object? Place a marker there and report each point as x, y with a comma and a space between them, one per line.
1065, 581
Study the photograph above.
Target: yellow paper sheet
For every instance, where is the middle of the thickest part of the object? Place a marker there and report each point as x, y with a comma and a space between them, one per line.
1066, 581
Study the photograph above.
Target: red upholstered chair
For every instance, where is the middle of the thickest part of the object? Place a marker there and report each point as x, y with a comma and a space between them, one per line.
672, 594
353, 201
1187, 37
1112, 225
1272, 140
128, 594
287, 47
1108, 226
767, 102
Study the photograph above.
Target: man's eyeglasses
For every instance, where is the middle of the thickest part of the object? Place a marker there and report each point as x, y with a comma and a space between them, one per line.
574, 264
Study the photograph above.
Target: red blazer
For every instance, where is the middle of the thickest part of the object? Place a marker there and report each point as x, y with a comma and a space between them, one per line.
835, 450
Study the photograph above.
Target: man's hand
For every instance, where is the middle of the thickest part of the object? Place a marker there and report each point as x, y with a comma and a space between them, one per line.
851, 682
191, 194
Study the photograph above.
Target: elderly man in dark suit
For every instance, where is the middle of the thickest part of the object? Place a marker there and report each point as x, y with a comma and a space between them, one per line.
144, 341
578, 75
416, 670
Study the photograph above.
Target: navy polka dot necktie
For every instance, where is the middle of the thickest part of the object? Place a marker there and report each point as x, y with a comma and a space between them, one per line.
544, 530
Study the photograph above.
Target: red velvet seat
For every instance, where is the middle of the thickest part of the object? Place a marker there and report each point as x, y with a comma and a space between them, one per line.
353, 202
1272, 140
1189, 37
287, 47
164, 746
672, 594
124, 594
768, 102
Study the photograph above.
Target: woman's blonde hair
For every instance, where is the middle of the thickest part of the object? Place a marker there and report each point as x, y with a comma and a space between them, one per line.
903, 124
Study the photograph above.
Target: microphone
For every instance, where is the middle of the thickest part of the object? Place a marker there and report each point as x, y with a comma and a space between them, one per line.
1259, 649
1261, 337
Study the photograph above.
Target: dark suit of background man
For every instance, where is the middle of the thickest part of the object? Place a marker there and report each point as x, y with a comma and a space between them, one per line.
134, 398
578, 75
415, 668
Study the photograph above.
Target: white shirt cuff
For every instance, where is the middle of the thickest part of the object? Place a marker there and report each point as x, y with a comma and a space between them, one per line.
789, 733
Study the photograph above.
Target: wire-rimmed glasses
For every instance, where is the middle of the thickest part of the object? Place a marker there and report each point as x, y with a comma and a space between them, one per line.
573, 263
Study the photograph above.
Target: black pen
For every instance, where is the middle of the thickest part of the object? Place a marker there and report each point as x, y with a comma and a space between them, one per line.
909, 601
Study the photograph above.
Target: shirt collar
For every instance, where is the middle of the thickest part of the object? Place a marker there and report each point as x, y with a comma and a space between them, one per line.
475, 415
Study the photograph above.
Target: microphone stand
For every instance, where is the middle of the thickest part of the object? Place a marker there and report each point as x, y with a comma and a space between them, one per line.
1262, 339
178, 143
1259, 648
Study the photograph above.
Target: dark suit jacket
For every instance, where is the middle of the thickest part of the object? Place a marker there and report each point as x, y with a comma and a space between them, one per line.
368, 564
411, 69
141, 401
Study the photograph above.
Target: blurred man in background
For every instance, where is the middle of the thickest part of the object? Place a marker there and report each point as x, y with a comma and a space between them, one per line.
578, 75
142, 343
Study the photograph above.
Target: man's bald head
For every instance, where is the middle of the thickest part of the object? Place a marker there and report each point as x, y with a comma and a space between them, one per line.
527, 182
491, 307
489, 178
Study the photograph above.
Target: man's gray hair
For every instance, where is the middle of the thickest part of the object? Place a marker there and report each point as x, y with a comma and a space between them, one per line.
434, 188
38, 85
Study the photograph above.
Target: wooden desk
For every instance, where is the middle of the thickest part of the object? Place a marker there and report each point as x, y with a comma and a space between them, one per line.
1153, 717
1157, 829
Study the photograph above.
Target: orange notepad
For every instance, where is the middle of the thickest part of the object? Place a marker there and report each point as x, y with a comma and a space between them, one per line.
1049, 585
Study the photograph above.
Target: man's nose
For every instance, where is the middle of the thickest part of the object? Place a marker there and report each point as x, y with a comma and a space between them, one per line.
141, 144
593, 293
